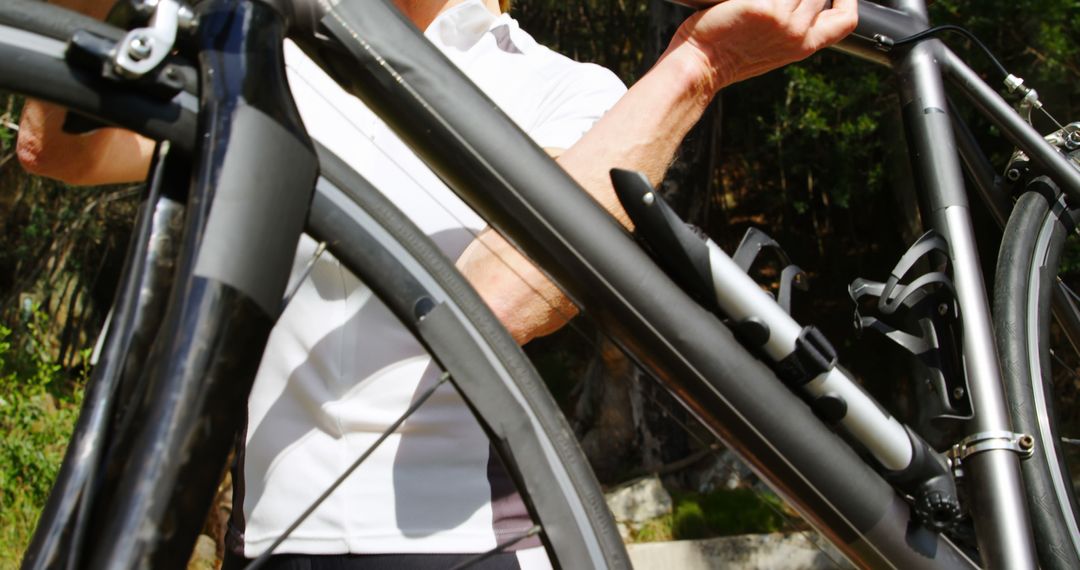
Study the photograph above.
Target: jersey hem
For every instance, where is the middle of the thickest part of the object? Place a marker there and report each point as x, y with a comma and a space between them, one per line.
456, 544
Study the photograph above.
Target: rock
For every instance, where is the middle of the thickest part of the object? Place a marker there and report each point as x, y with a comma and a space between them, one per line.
625, 532
639, 501
204, 556
723, 471
797, 551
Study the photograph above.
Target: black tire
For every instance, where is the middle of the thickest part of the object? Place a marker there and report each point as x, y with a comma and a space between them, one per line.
371, 237
399, 263
1039, 365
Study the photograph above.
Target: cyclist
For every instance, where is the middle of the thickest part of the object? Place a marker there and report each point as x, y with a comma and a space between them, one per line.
327, 385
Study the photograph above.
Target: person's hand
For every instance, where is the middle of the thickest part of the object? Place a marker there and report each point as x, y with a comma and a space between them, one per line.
738, 39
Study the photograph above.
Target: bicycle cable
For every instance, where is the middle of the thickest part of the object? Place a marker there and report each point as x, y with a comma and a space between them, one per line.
1012, 82
886, 42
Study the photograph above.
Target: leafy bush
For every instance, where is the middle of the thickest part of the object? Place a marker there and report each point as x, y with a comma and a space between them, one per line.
39, 404
727, 512
724, 512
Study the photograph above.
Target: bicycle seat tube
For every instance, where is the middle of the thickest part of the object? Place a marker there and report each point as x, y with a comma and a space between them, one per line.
994, 476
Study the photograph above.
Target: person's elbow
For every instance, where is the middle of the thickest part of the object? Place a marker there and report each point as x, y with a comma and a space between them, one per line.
32, 149
46, 153
104, 156
42, 159
71, 164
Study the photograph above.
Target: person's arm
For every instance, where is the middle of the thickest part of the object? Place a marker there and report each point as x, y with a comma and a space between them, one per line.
714, 48
100, 156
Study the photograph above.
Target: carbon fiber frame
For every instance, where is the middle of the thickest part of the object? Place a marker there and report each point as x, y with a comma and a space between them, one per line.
518, 189
494, 167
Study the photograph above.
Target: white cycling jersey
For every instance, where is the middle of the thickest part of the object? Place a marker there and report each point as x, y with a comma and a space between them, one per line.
339, 368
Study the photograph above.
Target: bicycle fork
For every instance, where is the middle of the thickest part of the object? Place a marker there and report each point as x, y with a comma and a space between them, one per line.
252, 181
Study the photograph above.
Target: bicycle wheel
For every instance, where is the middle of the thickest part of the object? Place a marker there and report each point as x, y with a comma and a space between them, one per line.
1034, 304
398, 263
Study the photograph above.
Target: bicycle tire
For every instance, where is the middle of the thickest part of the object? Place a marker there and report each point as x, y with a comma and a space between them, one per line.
1027, 278
500, 385
509, 392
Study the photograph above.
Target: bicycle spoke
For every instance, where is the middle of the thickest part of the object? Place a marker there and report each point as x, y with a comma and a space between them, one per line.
1064, 366
535, 530
303, 276
1072, 294
1066, 311
265, 556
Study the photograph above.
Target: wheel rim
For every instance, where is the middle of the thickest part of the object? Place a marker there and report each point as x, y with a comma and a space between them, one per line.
1048, 379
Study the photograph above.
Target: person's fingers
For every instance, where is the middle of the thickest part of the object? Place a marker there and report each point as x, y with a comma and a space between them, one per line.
834, 24
807, 12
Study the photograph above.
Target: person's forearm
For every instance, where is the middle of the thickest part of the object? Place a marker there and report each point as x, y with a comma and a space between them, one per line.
644, 129
524, 300
713, 48
101, 156
642, 132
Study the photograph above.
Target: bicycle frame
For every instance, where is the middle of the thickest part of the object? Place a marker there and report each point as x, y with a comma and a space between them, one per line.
548, 220
996, 487
533, 202
513, 184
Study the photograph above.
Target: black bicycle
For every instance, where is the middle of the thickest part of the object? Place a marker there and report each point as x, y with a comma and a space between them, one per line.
207, 273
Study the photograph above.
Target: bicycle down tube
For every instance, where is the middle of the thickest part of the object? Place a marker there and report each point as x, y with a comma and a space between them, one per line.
449, 123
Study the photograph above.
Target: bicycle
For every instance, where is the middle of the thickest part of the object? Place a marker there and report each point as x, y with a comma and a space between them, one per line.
53, 55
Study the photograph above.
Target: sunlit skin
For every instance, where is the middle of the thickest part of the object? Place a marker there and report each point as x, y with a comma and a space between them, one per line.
730, 42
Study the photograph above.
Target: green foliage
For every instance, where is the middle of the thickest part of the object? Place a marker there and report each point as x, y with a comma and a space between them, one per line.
1035, 39
727, 512
719, 513
606, 32
827, 125
60, 255
60, 246
39, 404
9, 120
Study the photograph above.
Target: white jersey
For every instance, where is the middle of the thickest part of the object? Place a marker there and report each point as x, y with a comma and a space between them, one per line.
339, 368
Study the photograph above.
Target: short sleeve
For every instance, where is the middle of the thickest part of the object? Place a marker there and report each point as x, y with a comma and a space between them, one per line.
574, 101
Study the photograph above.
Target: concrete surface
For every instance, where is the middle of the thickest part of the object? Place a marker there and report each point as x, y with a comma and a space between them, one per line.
797, 551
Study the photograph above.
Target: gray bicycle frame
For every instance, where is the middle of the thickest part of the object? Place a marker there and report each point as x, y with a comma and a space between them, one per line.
465, 144
514, 185
995, 484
